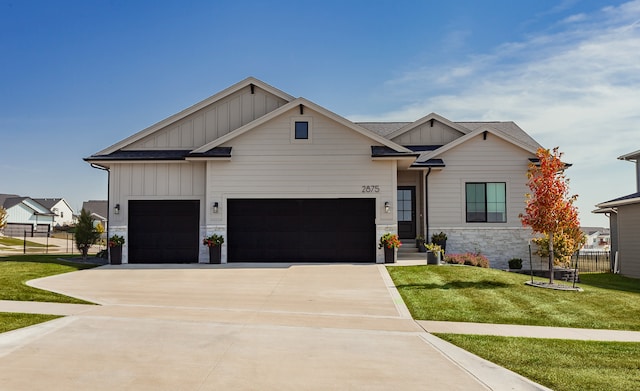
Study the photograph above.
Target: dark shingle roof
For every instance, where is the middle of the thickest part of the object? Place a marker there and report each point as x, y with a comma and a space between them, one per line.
98, 207
168, 154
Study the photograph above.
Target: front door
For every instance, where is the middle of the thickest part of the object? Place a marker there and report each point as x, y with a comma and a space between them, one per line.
407, 212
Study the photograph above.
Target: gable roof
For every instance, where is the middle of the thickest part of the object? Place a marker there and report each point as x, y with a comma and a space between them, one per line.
425, 119
481, 129
97, 207
250, 81
11, 200
294, 103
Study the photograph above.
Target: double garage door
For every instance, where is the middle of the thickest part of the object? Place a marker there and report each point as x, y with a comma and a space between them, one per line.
258, 230
301, 230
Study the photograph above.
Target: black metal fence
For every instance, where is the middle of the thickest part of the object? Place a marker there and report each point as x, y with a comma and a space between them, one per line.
592, 261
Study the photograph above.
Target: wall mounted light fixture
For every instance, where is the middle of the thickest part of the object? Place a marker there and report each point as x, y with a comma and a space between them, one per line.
116, 209
387, 207
215, 207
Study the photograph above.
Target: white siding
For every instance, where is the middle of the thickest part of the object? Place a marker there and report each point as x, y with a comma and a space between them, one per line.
425, 134
267, 164
211, 122
629, 240
478, 160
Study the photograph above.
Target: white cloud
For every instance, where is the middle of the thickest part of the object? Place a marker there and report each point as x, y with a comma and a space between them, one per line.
577, 88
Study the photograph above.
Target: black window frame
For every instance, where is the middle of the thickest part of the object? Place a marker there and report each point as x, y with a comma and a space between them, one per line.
298, 136
486, 202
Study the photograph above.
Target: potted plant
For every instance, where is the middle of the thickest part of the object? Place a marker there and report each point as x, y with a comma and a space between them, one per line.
515, 263
214, 243
115, 249
420, 244
434, 253
440, 239
389, 242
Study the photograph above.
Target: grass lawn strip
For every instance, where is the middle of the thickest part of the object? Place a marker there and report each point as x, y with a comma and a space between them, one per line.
12, 320
471, 294
15, 271
8, 241
562, 365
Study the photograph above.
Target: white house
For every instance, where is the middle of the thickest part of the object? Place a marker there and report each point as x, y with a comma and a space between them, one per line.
624, 221
25, 216
60, 208
284, 179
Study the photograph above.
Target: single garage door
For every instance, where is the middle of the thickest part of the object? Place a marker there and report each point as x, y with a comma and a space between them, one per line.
164, 231
301, 230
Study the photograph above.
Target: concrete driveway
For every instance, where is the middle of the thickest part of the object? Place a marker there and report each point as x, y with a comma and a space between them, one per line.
235, 327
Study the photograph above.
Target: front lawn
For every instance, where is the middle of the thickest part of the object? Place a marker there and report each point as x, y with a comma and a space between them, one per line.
15, 270
560, 364
11, 320
471, 294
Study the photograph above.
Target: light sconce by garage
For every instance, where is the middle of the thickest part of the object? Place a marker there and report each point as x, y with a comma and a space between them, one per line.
215, 207
387, 207
116, 209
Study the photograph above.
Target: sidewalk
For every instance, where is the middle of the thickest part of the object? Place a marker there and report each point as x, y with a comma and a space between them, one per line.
430, 326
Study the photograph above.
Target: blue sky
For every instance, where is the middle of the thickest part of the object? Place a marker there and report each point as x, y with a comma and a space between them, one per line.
78, 76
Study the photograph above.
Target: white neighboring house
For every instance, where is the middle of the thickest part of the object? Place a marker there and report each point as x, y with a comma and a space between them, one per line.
284, 179
64, 214
25, 216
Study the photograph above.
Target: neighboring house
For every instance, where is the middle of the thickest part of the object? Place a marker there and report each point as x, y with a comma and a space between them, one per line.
25, 216
58, 206
596, 238
624, 221
98, 209
284, 179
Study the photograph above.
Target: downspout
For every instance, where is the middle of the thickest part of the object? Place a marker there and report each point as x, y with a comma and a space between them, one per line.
108, 195
426, 205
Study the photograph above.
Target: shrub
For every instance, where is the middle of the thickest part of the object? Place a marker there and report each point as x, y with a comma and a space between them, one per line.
515, 263
469, 259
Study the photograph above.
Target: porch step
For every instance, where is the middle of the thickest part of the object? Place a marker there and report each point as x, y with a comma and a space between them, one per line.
408, 246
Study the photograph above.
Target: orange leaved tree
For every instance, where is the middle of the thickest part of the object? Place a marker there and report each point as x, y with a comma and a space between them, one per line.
550, 210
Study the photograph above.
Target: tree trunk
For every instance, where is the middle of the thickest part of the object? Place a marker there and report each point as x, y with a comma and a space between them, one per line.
551, 261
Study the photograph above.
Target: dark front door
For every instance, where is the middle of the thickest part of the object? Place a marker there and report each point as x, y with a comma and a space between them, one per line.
301, 230
164, 231
407, 212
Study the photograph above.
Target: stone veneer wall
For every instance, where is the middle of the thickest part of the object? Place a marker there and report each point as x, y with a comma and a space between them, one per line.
497, 244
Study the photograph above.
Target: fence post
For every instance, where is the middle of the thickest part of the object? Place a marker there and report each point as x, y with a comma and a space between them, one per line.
24, 245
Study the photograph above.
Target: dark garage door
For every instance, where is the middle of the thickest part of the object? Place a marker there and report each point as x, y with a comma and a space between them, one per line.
164, 231
307, 230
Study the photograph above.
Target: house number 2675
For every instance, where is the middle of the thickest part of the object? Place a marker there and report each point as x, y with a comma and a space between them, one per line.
371, 189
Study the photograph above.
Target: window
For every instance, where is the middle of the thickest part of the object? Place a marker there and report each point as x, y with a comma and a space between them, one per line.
486, 202
302, 130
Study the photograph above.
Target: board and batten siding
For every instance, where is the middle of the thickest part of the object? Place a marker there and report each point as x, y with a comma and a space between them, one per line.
425, 134
212, 122
479, 160
629, 240
172, 181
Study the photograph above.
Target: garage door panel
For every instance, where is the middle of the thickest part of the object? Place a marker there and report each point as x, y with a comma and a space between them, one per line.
304, 230
163, 231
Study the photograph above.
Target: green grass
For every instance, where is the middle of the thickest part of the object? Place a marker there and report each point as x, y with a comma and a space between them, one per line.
471, 294
8, 241
15, 270
11, 321
561, 365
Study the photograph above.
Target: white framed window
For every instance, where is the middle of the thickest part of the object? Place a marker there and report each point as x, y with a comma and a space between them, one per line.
301, 130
